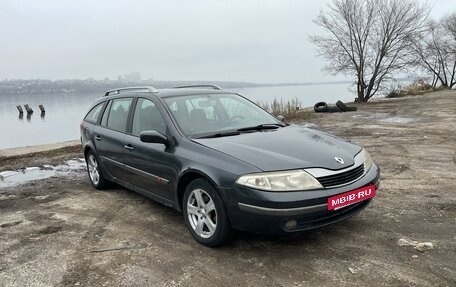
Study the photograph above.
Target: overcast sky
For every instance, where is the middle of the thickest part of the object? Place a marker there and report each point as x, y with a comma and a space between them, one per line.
229, 40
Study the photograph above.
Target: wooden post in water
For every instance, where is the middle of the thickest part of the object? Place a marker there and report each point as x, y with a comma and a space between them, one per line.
28, 109
19, 108
43, 111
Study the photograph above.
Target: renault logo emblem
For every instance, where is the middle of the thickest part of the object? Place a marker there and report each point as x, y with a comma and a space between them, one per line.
339, 160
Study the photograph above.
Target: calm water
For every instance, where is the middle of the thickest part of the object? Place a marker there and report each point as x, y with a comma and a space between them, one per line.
65, 111
307, 95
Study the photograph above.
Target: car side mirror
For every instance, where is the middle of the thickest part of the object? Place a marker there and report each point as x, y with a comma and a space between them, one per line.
280, 118
153, 137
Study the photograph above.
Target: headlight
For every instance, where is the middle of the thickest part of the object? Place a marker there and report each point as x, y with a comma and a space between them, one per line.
366, 159
280, 181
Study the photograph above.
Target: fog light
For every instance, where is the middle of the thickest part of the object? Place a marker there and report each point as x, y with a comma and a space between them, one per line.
291, 224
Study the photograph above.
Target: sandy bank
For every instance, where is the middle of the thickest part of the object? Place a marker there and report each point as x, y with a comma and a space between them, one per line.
9, 152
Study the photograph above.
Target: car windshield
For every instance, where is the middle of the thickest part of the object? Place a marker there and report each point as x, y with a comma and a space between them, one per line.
218, 114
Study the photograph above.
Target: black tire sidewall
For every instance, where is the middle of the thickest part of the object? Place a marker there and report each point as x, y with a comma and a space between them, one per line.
341, 106
321, 107
223, 227
334, 109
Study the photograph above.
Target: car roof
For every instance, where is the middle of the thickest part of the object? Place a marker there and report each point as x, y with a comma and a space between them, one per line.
161, 93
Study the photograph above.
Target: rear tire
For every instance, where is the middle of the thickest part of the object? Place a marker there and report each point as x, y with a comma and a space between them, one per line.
94, 171
205, 214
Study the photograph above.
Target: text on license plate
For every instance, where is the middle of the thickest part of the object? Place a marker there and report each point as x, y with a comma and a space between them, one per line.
351, 197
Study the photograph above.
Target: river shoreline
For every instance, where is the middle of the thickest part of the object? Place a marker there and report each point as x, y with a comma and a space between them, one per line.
22, 150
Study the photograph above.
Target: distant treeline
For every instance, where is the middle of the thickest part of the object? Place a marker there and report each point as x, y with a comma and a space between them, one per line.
18, 87
39, 86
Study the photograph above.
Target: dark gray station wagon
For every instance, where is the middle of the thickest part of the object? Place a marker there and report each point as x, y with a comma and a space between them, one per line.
223, 161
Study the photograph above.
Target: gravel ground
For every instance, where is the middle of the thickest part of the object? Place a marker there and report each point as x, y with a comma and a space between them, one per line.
61, 232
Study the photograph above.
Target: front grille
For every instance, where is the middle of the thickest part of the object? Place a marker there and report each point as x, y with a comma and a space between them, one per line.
342, 178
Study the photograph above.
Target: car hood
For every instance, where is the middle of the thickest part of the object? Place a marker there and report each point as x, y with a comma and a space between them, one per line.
291, 147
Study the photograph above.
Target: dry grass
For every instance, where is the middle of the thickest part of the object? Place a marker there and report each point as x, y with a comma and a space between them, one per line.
290, 109
418, 87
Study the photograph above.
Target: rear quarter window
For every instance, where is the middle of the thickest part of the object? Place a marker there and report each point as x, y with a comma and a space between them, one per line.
94, 114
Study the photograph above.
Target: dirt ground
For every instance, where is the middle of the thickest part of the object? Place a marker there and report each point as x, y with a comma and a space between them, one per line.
62, 232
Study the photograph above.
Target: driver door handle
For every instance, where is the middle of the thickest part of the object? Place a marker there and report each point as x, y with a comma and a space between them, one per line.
98, 138
129, 147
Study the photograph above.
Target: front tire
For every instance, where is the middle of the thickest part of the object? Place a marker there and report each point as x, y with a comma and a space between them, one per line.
204, 213
94, 171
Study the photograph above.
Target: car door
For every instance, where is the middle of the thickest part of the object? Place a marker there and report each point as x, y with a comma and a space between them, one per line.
154, 165
110, 136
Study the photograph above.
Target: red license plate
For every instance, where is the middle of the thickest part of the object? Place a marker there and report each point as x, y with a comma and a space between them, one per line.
351, 197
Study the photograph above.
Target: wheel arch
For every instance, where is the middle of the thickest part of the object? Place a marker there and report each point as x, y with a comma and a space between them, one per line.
86, 150
89, 147
185, 179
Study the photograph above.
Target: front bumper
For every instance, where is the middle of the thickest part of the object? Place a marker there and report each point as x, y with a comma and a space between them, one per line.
285, 212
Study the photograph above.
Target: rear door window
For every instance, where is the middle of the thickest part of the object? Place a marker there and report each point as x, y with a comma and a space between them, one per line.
118, 114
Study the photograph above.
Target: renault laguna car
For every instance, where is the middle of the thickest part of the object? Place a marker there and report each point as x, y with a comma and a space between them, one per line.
224, 162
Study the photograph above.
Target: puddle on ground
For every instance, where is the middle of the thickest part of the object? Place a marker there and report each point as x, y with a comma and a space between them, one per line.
308, 125
385, 118
16, 177
398, 120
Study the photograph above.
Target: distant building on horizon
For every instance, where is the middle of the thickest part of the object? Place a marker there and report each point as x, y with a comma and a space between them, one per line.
133, 77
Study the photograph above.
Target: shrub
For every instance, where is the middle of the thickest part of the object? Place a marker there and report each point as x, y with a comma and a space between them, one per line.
290, 109
417, 87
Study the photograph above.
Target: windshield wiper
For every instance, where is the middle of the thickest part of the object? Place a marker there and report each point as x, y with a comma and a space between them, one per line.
260, 127
220, 134
238, 131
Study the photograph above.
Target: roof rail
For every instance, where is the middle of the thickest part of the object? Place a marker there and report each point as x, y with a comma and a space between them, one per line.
119, 90
214, 87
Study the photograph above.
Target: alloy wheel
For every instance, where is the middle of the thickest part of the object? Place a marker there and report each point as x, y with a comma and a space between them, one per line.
94, 171
202, 213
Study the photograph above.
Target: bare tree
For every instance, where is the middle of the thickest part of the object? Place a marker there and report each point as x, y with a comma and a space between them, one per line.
369, 39
449, 23
436, 52
430, 52
449, 26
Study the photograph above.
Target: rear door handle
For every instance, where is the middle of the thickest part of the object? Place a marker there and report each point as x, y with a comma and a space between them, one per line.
129, 147
98, 138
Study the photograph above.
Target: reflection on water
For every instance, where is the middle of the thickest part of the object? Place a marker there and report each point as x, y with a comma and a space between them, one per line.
64, 112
